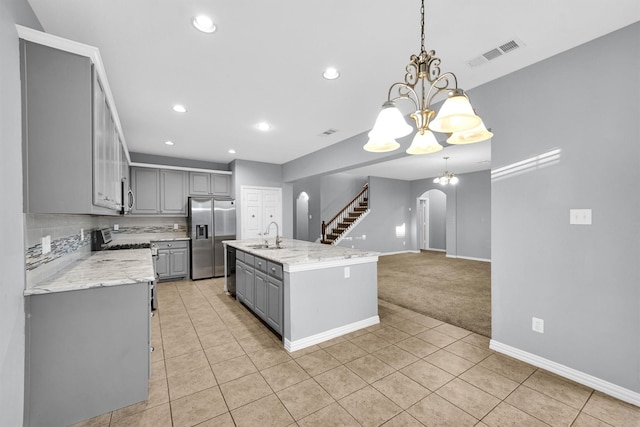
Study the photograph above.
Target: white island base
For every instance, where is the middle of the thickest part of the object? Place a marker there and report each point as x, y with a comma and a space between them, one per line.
327, 291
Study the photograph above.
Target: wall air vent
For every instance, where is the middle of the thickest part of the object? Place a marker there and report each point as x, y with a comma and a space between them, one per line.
328, 132
496, 52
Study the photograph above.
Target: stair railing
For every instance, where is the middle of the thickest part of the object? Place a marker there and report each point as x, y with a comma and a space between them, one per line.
344, 212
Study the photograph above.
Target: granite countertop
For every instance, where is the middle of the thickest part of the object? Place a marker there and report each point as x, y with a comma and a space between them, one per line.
297, 252
99, 269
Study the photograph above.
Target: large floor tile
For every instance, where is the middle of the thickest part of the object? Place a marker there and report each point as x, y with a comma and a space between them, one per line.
340, 382
542, 407
468, 398
370, 407
284, 375
402, 390
332, 415
267, 411
198, 407
612, 411
370, 368
426, 374
245, 390
489, 381
433, 410
304, 398
345, 351
568, 392
317, 362
191, 382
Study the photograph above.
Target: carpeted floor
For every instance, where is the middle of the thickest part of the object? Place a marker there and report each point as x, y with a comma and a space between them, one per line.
452, 290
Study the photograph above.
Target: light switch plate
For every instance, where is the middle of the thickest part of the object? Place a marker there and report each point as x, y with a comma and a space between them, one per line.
580, 216
347, 272
116, 227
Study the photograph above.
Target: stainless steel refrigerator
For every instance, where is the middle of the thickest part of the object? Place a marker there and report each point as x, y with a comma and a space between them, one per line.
210, 222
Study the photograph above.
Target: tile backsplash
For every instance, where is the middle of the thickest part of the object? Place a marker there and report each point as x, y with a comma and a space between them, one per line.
71, 237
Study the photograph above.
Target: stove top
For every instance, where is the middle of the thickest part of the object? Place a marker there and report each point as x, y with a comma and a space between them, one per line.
128, 246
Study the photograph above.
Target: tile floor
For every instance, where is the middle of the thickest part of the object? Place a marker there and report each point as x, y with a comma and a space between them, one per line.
215, 364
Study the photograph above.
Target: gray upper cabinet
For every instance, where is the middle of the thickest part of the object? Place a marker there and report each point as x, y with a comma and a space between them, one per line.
145, 183
173, 188
159, 191
209, 184
70, 143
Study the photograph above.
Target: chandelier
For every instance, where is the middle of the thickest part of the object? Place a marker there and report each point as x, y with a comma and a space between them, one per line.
447, 177
456, 116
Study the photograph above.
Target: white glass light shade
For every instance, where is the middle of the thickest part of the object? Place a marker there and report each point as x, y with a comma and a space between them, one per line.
424, 143
380, 146
477, 134
454, 180
455, 115
390, 123
436, 180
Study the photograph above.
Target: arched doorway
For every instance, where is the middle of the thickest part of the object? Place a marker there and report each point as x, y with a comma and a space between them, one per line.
302, 216
432, 226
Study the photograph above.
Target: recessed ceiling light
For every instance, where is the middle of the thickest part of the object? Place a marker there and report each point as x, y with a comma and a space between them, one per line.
263, 126
169, 143
179, 108
331, 73
204, 24
232, 151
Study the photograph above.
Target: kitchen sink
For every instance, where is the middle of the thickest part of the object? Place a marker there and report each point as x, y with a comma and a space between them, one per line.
263, 246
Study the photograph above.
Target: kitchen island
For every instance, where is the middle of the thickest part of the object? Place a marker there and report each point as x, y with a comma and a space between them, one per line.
88, 338
307, 292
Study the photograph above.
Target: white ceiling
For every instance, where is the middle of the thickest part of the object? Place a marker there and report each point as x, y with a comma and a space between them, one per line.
265, 63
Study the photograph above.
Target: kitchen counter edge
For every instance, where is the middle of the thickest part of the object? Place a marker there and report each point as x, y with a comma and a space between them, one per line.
98, 270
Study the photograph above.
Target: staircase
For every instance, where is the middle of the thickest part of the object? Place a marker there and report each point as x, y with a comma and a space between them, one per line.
337, 226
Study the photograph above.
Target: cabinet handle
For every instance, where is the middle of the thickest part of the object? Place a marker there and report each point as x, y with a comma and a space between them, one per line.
273, 269
169, 245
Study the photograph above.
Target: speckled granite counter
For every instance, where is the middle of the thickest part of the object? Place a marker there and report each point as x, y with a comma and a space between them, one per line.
99, 269
299, 254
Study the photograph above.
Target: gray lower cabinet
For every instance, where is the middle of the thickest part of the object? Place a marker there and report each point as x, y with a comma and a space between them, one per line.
87, 353
172, 261
259, 286
159, 191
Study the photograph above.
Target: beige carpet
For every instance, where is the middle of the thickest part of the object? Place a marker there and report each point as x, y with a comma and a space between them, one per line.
452, 290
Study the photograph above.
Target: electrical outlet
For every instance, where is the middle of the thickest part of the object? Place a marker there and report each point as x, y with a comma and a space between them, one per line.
82, 234
46, 245
537, 325
175, 226
347, 272
116, 227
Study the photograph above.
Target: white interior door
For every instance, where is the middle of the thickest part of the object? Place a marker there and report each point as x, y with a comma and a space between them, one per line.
260, 206
424, 215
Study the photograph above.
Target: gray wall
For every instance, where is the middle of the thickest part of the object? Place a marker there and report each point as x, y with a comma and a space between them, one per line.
468, 222
12, 234
336, 191
263, 175
311, 186
582, 280
390, 211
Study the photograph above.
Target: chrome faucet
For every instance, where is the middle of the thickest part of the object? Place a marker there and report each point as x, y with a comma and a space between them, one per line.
266, 232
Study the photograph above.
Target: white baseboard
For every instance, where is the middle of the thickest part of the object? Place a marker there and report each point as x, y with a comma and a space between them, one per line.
399, 252
330, 334
469, 258
595, 383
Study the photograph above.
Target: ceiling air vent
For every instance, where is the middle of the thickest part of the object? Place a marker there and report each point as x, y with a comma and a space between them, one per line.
496, 52
328, 132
